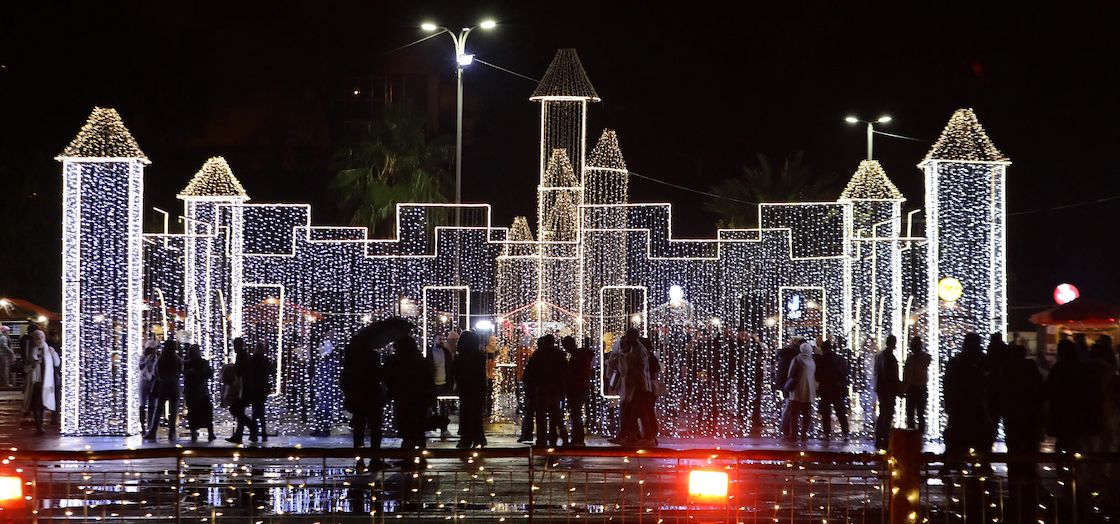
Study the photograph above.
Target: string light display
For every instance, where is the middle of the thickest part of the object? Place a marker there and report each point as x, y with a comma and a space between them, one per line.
102, 263
715, 310
966, 231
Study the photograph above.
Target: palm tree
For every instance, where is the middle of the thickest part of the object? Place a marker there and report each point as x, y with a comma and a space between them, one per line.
763, 181
388, 161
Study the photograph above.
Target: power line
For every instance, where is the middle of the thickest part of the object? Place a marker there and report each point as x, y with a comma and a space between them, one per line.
904, 137
1067, 206
705, 193
500, 68
426, 38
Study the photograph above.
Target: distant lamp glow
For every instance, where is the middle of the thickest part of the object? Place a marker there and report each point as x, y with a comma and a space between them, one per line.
707, 485
715, 321
443, 319
96, 318
483, 325
488, 24
1066, 293
676, 294
5, 303
851, 120
466, 59
41, 319
428, 26
770, 322
367, 318
950, 289
636, 319
884, 119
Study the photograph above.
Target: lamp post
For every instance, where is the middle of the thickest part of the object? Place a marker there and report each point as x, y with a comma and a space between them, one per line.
870, 128
462, 59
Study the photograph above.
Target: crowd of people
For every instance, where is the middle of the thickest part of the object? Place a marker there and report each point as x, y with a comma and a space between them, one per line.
1076, 400
166, 378
37, 355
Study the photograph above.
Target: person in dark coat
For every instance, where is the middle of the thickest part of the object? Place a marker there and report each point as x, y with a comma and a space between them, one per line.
781, 375
257, 388
915, 385
470, 381
1023, 396
169, 368
966, 407
196, 390
235, 379
577, 385
887, 386
995, 364
1066, 391
549, 368
361, 383
413, 391
832, 388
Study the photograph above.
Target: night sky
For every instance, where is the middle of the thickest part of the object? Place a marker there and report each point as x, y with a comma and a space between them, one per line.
693, 90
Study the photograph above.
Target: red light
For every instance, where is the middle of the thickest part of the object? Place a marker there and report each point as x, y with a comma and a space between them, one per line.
707, 485
1065, 293
11, 489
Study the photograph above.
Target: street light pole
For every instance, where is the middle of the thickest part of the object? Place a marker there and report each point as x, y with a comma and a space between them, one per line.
462, 59
870, 129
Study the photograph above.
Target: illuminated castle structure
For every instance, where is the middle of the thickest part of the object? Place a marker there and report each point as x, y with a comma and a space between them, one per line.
592, 265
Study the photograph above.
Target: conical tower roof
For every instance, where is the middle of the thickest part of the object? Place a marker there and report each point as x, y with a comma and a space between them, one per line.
565, 79
606, 154
104, 136
214, 181
558, 172
964, 139
870, 182
519, 232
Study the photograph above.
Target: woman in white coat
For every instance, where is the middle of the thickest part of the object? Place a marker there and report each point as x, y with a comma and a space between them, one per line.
40, 367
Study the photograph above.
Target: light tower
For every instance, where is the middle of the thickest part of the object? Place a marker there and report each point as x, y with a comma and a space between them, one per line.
564, 94
966, 211
102, 286
603, 246
210, 289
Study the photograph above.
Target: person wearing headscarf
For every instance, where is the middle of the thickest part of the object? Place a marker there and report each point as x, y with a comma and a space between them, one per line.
169, 367
470, 382
196, 390
39, 368
802, 391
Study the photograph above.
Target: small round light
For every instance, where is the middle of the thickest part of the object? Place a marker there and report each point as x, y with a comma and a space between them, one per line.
884, 119
851, 120
950, 289
488, 24
483, 325
676, 294
466, 59
428, 26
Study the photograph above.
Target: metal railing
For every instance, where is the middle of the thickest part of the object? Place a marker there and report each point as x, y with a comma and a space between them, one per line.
581, 485
571, 485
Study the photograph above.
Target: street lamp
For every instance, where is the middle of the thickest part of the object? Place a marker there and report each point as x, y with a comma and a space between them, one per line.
870, 128
462, 59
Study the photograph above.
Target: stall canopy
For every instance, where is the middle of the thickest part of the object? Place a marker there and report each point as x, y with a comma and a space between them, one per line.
19, 310
1080, 314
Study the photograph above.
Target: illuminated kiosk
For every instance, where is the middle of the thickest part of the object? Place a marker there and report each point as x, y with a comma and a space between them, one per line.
102, 220
716, 309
